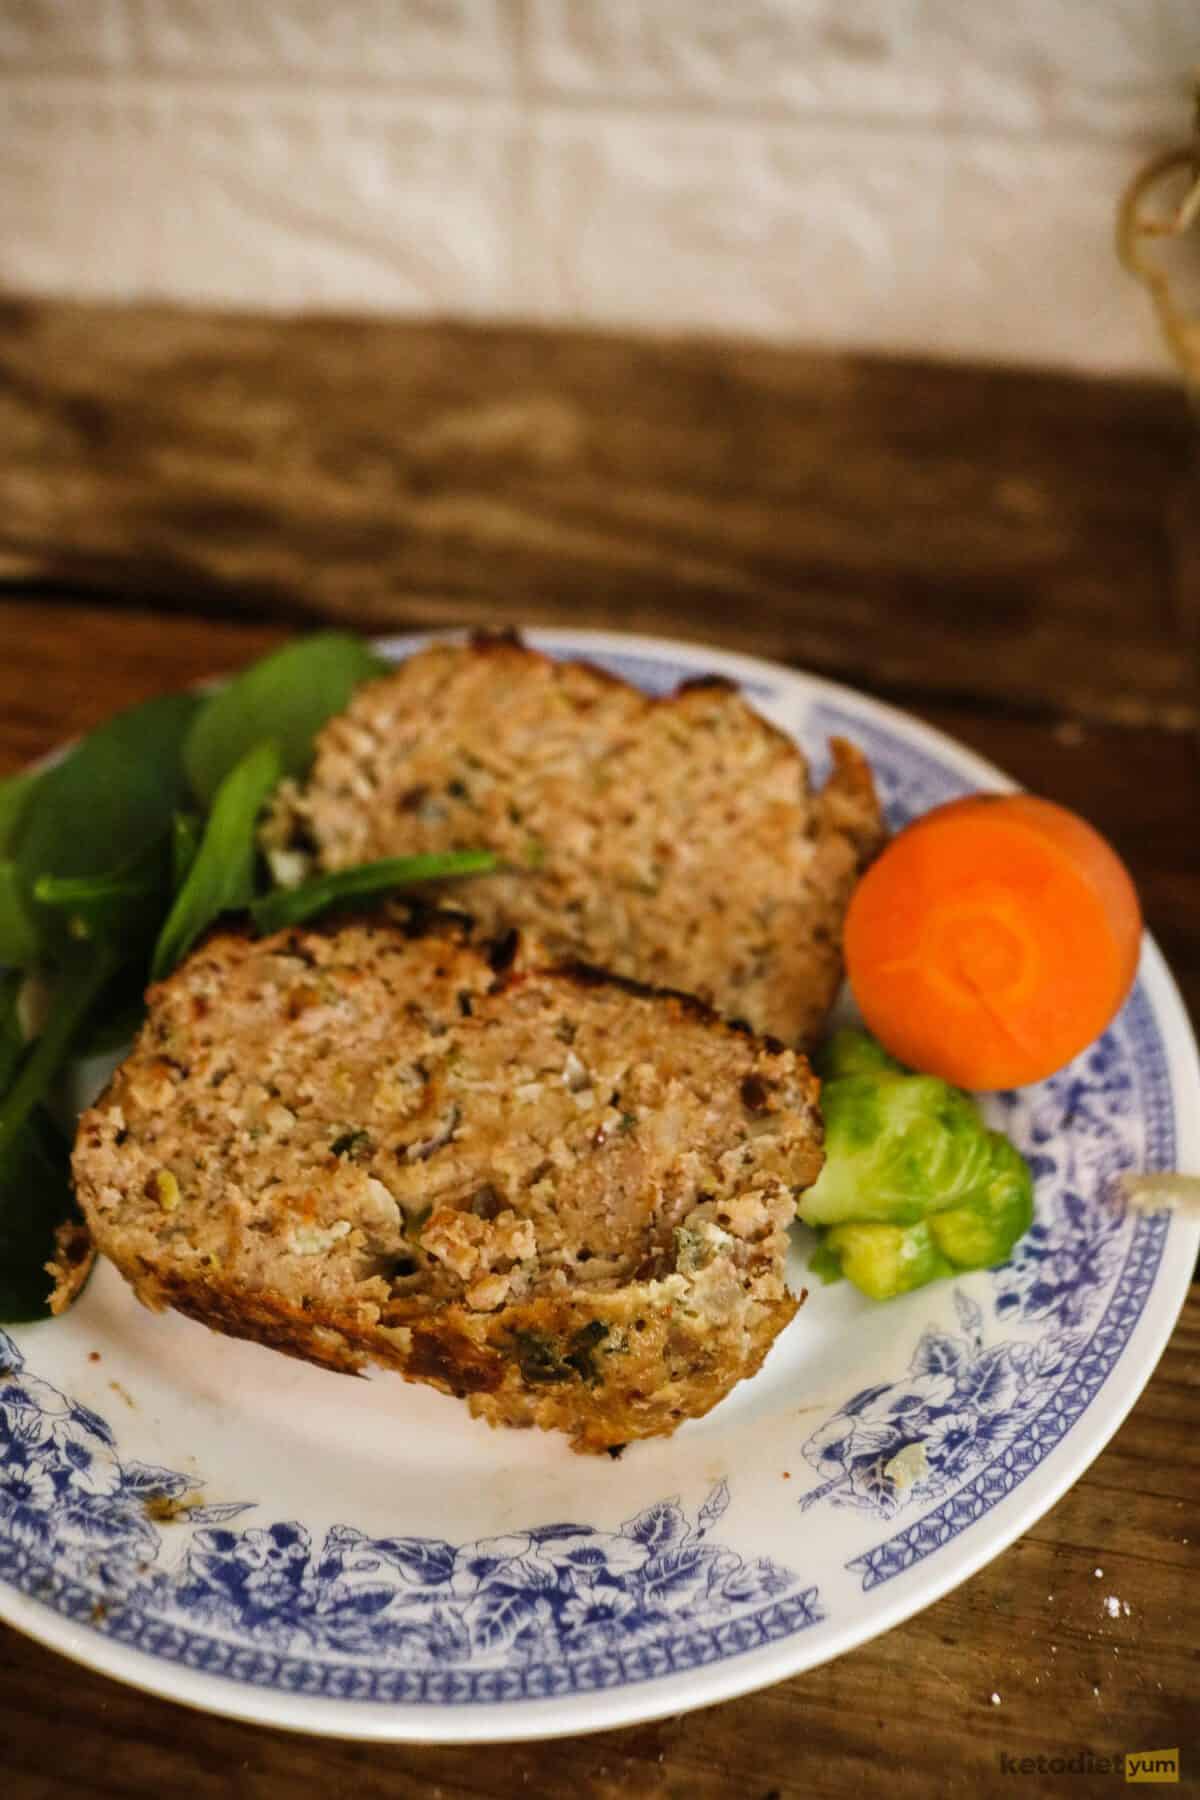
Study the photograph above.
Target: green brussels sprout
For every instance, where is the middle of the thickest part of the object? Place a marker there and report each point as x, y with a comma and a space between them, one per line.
854, 1053
915, 1186
883, 1260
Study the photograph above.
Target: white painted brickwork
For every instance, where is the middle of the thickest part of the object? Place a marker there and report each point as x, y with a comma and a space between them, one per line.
913, 175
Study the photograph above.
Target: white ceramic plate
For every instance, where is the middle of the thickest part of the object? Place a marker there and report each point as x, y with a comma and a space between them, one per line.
246, 1534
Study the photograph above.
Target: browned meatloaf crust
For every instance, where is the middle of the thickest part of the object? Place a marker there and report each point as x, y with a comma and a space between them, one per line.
560, 1195
676, 841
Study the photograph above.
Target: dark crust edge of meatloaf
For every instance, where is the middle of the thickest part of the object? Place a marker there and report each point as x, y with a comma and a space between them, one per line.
498, 643
477, 1357
501, 951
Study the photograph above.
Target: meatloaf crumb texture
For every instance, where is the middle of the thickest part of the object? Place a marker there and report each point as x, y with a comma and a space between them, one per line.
677, 840
559, 1195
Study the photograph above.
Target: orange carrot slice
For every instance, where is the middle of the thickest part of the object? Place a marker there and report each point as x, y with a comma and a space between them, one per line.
993, 940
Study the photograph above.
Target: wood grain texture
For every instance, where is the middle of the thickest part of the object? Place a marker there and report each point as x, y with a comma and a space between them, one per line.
1011, 556
855, 516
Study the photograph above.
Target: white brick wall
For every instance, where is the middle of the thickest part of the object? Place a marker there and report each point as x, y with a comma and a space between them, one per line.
914, 175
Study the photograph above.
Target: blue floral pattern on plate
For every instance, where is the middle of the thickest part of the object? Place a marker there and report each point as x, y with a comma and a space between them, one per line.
971, 1418
74, 1517
964, 1401
132, 1549
959, 1404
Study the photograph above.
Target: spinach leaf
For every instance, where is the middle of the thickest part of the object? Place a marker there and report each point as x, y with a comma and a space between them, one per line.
35, 1197
291, 906
12, 1038
82, 983
222, 878
286, 698
186, 829
124, 905
111, 796
16, 791
116, 1027
20, 939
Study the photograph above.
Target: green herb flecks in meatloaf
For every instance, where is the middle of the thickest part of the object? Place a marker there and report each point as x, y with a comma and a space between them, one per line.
677, 841
557, 1194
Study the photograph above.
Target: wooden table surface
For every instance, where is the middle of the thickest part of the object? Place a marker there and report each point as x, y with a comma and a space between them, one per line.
1011, 556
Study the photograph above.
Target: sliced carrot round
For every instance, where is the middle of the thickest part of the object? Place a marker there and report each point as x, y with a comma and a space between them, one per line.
992, 940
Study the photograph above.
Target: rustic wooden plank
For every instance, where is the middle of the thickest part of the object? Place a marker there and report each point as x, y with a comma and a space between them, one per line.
1183, 533
955, 531
66, 668
909, 1715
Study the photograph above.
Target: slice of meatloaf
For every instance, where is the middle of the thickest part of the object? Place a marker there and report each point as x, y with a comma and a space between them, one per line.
676, 841
563, 1196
